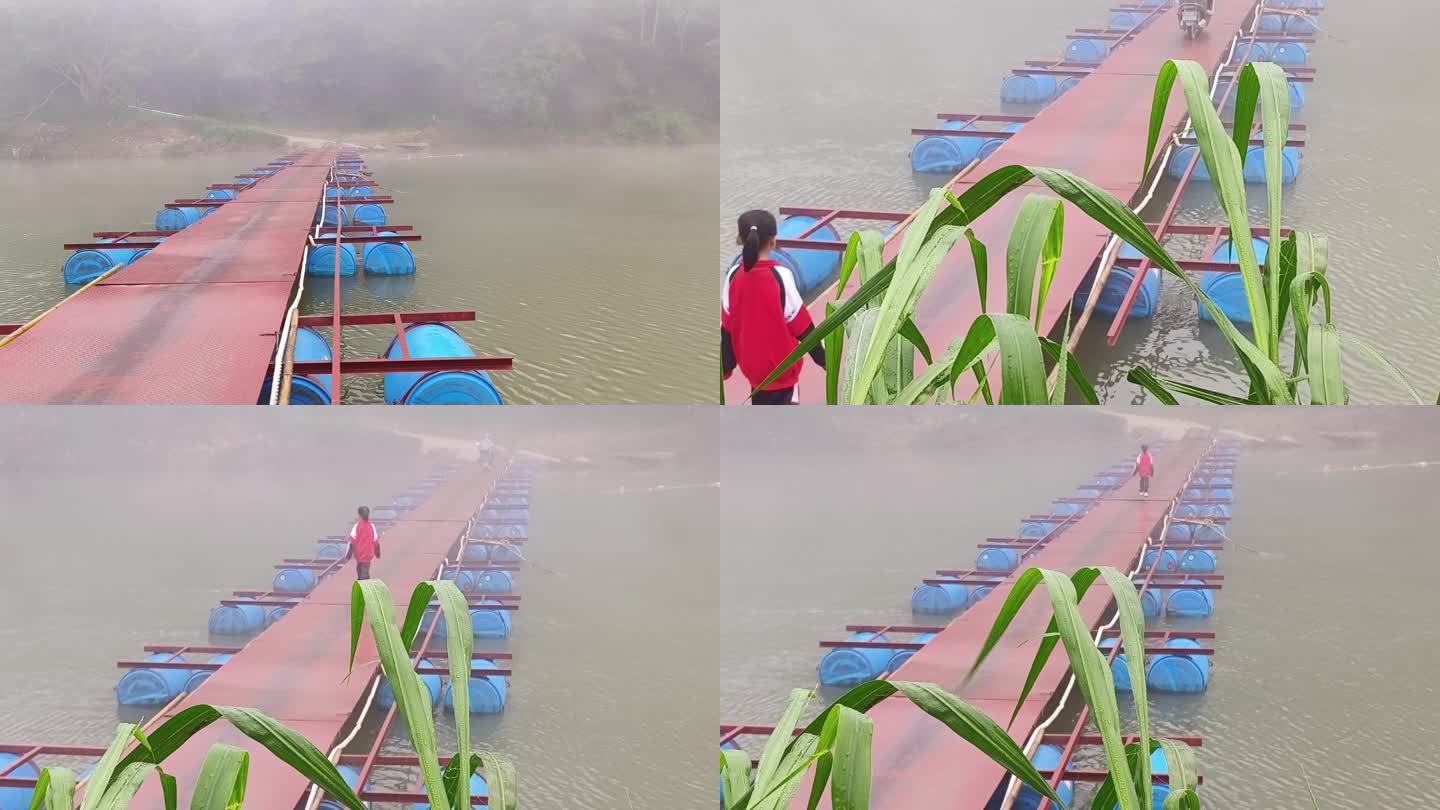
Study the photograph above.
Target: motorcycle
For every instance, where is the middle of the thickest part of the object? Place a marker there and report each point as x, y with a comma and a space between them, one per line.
1192, 18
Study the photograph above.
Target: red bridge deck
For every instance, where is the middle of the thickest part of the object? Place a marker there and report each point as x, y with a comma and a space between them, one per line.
195, 321
296, 670
915, 758
1097, 130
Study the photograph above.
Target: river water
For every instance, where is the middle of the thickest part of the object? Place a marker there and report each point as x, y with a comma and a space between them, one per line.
574, 261
1323, 644
125, 526
819, 98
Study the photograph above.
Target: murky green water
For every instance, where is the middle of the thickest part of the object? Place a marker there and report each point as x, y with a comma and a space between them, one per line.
123, 527
580, 263
1325, 640
819, 99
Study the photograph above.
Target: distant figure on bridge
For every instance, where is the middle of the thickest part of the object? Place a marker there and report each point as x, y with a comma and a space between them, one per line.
762, 316
364, 544
1145, 468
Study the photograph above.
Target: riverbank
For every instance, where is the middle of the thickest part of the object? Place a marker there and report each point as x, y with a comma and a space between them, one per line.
163, 135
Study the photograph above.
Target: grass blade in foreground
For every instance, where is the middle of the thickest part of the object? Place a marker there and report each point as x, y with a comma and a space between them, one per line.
222, 780
286, 744
370, 600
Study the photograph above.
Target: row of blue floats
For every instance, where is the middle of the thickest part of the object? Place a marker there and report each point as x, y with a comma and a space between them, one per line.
424, 341
380, 258
84, 266
1178, 672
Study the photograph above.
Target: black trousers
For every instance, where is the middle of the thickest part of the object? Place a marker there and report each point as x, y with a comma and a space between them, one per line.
784, 396
1144, 483
362, 570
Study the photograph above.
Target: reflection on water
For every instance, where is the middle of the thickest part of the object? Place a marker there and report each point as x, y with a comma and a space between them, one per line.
1313, 665
576, 262
815, 120
125, 528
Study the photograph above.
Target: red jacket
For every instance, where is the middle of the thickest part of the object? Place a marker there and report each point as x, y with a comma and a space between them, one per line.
363, 541
762, 318
1144, 467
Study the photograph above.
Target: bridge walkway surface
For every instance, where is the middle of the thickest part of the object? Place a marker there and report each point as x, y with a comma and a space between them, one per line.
195, 321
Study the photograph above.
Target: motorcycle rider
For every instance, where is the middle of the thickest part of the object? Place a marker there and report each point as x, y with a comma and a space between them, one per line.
1207, 9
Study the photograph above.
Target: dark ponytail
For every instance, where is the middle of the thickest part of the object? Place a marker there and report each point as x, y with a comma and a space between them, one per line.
757, 228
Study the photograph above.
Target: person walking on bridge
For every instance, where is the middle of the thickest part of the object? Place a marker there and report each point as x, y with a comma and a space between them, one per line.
364, 544
762, 314
1145, 468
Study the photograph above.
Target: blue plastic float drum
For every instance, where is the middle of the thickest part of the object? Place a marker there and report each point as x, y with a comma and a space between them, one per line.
1086, 50
901, 656
294, 580
330, 550
436, 340
367, 214
1002, 560
487, 692
495, 581
1246, 52
1125, 20
201, 676
320, 261
938, 154
812, 267
1198, 561
1297, 93
236, 620
466, 581
1036, 529
1168, 560
939, 599
991, 145
1289, 165
1046, 758
84, 266
1158, 767
1027, 89
331, 215
949, 154
315, 390
389, 258
176, 219
498, 531
152, 687
351, 775
848, 666
1117, 284
478, 787
1192, 603
1227, 289
386, 695
17, 798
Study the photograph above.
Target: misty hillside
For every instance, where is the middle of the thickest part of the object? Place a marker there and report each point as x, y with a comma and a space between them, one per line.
471, 71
